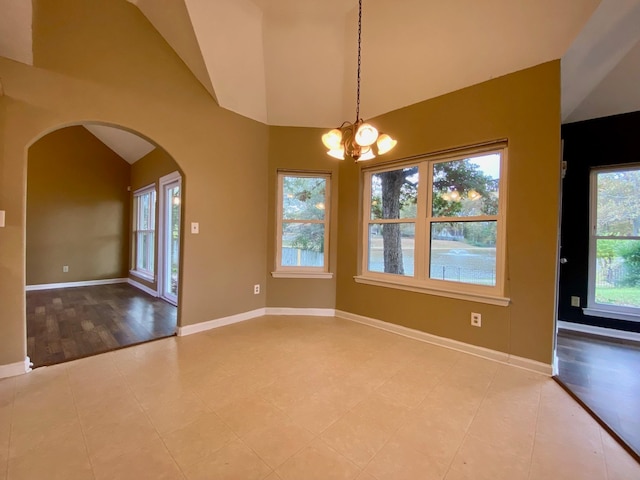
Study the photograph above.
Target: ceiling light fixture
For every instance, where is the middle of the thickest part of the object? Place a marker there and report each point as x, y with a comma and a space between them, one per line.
357, 140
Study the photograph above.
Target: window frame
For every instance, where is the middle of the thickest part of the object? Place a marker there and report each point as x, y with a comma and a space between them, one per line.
281, 271
421, 281
593, 308
136, 231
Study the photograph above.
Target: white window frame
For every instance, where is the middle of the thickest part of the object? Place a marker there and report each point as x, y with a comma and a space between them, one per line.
164, 233
599, 309
302, 271
136, 231
421, 282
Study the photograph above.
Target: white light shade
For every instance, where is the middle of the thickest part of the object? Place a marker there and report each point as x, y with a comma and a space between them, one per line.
332, 139
367, 154
337, 153
385, 143
473, 195
366, 135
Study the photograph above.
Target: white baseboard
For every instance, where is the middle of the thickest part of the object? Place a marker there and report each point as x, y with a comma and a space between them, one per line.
142, 287
601, 331
311, 312
501, 357
220, 322
14, 369
487, 353
86, 283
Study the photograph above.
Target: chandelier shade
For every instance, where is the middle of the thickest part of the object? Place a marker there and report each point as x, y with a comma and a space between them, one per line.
358, 139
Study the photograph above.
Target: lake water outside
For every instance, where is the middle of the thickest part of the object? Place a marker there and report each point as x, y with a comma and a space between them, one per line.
455, 261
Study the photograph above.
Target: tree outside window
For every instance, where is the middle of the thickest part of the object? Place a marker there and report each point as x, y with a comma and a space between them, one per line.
614, 281
436, 220
303, 221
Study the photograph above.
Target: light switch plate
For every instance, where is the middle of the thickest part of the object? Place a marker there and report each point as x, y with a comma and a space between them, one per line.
195, 227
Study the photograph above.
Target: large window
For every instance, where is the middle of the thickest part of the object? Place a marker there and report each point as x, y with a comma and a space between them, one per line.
303, 224
614, 249
437, 225
144, 231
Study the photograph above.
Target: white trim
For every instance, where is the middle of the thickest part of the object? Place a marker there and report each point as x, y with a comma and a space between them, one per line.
86, 283
143, 275
18, 368
501, 357
472, 297
421, 280
280, 221
310, 312
601, 331
142, 287
601, 312
163, 232
285, 274
220, 322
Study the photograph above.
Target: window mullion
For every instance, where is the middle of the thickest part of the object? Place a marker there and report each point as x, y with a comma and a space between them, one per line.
421, 245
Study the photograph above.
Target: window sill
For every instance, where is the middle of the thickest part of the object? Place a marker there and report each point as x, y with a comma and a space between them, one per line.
472, 297
142, 275
321, 275
604, 313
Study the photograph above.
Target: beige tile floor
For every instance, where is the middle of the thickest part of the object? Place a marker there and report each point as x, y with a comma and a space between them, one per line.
291, 398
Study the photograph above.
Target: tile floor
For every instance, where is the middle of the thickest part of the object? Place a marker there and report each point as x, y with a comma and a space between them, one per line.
282, 398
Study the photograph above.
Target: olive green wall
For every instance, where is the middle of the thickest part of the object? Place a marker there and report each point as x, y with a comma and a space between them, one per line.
292, 148
77, 209
146, 171
523, 107
102, 61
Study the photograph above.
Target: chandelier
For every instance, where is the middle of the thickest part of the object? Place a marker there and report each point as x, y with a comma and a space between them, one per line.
358, 140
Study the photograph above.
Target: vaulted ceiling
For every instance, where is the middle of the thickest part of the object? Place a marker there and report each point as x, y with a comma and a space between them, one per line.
293, 62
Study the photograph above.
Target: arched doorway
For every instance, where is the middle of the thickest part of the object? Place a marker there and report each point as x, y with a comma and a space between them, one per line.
95, 238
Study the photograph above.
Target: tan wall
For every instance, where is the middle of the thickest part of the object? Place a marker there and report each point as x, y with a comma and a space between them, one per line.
523, 107
77, 209
299, 148
102, 61
146, 171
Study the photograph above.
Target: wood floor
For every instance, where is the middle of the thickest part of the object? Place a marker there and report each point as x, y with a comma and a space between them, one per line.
605, 375
68, 323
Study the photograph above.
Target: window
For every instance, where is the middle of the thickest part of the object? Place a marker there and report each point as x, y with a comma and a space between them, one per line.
303, 225
436, 225
614, 247
144, 231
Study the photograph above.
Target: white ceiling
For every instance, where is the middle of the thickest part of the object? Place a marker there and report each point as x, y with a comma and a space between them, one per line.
293, 62
129, 146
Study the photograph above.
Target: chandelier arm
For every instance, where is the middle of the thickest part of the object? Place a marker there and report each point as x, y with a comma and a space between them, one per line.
359, 55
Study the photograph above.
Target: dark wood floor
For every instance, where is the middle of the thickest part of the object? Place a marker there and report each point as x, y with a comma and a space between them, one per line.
605, 375
68, 323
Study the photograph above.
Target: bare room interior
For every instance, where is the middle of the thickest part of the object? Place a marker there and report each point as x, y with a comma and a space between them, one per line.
355, 239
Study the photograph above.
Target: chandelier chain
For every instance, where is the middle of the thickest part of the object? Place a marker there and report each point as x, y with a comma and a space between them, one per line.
359, 48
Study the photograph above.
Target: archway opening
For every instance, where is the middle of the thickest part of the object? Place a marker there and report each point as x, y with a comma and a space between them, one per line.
103, 242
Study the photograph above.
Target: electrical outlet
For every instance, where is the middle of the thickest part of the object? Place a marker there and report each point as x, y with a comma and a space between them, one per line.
256, 289
476, 319
575, 301
65, 269
195, 227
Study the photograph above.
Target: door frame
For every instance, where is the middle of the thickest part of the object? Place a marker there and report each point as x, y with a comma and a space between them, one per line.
163, 182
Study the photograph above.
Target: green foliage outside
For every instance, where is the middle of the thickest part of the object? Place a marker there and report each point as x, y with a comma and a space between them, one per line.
618, 215
461, 189
303, 199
